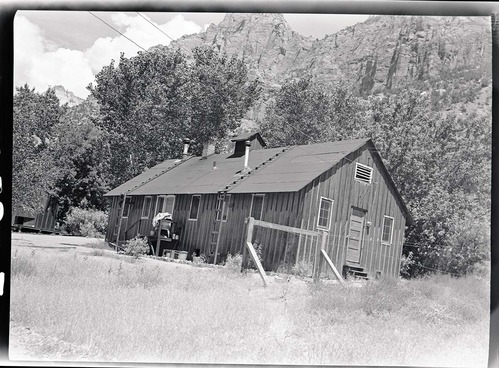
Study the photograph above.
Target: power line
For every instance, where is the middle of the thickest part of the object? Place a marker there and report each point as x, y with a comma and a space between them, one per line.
154, 25
110, 26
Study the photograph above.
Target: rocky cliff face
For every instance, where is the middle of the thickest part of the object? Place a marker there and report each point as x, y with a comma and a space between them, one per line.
66, 96
382, 53
265, 42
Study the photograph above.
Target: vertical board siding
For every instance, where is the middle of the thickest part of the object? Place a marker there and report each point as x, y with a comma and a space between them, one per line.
377, 199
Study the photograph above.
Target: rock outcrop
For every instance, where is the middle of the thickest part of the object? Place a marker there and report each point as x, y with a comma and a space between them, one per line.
66, 96
384, 52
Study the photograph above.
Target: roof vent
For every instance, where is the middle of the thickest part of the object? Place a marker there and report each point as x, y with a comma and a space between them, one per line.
255, 139
363, 173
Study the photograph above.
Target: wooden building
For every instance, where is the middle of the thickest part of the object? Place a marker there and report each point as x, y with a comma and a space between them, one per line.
44, 221
340, 188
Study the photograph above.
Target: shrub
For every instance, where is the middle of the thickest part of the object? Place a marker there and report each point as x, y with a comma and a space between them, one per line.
198, 261
234, 262
302, 268
405, 264
136, 247
86, 222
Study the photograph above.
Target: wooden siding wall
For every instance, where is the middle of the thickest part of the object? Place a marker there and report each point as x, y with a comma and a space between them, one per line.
133, 225
195, 234
279, 208
378, 199
44, 221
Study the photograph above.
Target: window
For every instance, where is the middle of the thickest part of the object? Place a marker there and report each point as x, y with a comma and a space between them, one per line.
387, 235
165, 204
169, 204
363, 173
257, 206
159, 205
193, 213
325, 210
146, 209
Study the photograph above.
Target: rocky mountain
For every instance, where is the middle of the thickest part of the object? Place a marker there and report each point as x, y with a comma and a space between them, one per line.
66, 96
381, 54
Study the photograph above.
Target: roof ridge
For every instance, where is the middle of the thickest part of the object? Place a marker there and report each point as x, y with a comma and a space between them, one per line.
238, 181
175, 164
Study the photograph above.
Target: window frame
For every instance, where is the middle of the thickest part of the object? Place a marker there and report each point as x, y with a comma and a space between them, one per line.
390, 240
252, 203
163, 209
166, 201
144, 207
156, 209
197, 210
358, 164
330, 215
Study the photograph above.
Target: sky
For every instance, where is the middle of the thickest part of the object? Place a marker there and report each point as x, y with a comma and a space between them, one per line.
69, 48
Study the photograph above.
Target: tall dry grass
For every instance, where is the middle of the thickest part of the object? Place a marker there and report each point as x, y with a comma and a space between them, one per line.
117, 308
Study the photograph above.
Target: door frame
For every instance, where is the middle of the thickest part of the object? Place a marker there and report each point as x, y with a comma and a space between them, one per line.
362, 235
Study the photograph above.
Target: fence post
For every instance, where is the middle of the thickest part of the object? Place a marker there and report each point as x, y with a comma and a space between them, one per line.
250, 223
318, 260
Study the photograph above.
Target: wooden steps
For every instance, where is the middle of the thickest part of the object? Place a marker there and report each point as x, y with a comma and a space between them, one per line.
357, 272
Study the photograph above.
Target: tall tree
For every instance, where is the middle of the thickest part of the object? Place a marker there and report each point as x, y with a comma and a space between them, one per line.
82, 151
304, 112
220, 94
148, 103
33, 165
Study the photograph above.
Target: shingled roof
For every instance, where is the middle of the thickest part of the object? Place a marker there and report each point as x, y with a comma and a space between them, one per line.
286, 169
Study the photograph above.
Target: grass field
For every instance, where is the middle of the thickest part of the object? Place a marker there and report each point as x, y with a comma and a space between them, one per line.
94, 305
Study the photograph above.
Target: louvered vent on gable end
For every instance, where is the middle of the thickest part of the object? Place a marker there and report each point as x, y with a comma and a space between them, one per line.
363, 173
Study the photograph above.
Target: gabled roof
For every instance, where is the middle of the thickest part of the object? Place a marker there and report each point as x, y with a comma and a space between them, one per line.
249, 137
272, 170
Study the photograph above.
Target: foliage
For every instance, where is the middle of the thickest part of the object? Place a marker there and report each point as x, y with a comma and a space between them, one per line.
34, 171
234, 262
199, 261
136, 247
150, 102
86, 222
81, 154
406, 262
302, 268
304, 112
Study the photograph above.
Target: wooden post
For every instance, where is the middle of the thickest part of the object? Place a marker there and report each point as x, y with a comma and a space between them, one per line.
158, 239
298, 250
119, 223
317, 259
331, 265
253, 254
250, 223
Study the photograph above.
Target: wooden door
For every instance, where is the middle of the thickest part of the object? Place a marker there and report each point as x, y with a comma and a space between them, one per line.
355, 235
